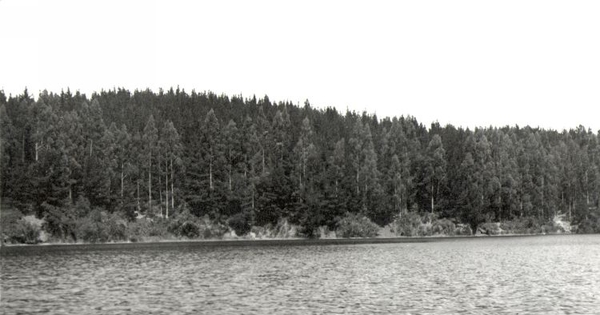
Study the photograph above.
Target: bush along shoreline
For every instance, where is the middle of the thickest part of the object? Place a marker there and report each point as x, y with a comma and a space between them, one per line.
83, 224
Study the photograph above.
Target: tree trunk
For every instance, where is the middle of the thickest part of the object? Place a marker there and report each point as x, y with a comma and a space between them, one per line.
36, 151
172, 191
150, 186
510, 214
210, 178
160, 198
562, 200
91, 146
230, 185
139, 207
122, 182
167, 189
396, 204
245, 166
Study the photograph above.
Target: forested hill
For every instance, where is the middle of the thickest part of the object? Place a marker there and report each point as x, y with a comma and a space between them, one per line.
158, 153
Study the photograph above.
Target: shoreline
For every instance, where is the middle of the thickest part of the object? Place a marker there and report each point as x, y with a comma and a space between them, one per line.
276, 241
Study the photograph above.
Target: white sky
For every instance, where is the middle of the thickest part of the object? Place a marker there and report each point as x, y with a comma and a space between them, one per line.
469, 63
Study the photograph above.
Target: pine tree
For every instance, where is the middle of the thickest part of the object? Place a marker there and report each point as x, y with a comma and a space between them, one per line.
150, 142
232, 152
172, 151
6, 137
436, 169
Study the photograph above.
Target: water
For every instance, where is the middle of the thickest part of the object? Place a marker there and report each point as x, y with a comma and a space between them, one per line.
525, 275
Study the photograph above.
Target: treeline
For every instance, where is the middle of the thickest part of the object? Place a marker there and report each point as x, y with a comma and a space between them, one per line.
258, 161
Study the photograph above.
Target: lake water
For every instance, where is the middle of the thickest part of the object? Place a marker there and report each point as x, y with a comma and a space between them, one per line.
525, 275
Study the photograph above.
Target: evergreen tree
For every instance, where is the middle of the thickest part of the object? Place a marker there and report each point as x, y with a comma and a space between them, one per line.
149, 154
436, 169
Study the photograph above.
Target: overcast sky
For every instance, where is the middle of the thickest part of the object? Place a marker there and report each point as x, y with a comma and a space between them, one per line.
468, 63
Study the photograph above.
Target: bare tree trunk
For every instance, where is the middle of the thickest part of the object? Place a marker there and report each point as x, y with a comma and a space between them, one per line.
570, 207
210, 176
510, 214
587, 190
36, 151
172, 191
543, 197
230, 185
139, 207
401, 210
396, 205
122, 182
91, 146
245, 166
167, 189
562, 199
150, 186
160, 197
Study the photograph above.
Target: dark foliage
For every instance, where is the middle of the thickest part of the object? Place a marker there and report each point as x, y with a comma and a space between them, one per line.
89, 164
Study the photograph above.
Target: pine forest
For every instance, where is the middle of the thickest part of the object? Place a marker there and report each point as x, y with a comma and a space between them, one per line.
200, 165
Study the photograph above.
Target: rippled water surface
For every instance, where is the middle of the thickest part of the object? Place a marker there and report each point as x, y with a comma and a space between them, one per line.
545, 275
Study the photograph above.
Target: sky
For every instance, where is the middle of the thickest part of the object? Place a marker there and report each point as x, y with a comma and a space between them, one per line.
466, 63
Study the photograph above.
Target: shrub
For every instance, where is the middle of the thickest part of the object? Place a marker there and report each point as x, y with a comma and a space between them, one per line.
443, 227
185, 224
23, 231
355, 225
60, 222
189, 229
138, 229
425, 229
414, 224
89, 230
240, 223
490, 228
524, 225
589, 226
116, 227
158, 227
408, 224
8, 223
145, 227
212, 229
463, 229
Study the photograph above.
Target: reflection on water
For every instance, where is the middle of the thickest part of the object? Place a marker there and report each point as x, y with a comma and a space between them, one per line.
553, 274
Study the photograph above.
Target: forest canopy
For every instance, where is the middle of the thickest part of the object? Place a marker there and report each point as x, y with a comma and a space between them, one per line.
246, 159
